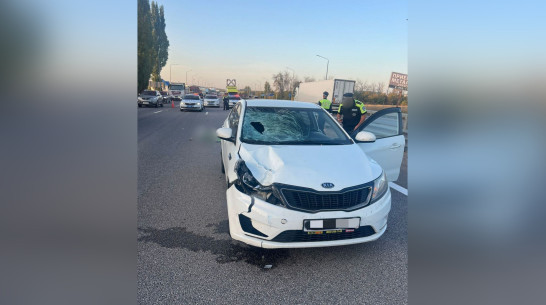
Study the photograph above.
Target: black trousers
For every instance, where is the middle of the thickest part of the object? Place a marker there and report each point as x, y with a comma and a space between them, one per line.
226, 106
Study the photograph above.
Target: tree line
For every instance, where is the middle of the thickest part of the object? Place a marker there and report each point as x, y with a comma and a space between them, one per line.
153, 44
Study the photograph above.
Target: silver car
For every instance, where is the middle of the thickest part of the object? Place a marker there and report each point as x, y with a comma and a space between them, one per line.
191, 102
211, 101
150, 98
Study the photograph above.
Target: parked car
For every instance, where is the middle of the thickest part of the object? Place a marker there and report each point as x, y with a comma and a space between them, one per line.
284, 191
211, 101
150, 98
191, 102
233, 99
167, 98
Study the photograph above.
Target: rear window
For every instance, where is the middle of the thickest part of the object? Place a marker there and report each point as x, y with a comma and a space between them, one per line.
148, 92
164, 93
191, 97
234, 98
210, 96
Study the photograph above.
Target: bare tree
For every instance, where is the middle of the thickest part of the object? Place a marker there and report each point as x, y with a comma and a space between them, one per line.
281, 83
359, 86
373, 86
380, 87
307, 79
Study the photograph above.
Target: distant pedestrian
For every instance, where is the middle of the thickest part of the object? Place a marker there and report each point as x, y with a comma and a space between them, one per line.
327, 105
325, 102
226, 102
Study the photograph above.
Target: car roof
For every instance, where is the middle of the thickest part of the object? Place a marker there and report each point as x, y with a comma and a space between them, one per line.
280, 103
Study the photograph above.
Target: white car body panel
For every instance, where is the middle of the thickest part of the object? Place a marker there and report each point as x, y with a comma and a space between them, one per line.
287, 164
267, 218
388, 152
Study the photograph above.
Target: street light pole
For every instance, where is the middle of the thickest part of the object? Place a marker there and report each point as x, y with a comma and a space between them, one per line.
171, 71
327, 63
187, 76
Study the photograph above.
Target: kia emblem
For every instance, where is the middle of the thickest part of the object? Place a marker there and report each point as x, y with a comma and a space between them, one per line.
327, 185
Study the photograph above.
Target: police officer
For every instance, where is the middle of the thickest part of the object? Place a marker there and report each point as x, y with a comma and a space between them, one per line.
325, 103
226, 102
353, 112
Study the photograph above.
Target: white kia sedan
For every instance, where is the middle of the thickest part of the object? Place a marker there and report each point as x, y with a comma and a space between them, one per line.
296, 179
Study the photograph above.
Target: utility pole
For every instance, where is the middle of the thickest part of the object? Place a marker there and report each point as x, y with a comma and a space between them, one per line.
187, 76
327, 63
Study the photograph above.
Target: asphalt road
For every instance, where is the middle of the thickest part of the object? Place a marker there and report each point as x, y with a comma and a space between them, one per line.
185, 253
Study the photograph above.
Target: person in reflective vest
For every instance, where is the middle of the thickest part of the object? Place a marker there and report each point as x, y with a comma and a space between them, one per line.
226, 102
351, 113
325, 103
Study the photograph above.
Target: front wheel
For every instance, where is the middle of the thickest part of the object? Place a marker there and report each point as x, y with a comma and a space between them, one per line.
156, 104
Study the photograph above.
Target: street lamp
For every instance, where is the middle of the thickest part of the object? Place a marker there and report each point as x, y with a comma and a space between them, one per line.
171, 71
187, 76
328, 62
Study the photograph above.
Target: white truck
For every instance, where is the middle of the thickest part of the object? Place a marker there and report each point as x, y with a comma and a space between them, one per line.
311, 92
177, 91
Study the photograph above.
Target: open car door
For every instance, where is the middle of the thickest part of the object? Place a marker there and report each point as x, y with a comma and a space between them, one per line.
388, 148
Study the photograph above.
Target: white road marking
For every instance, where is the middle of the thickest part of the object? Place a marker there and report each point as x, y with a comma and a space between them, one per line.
398, 188
158, 111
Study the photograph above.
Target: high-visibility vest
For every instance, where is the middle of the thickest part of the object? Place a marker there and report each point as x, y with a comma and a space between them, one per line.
352, 116
325, 103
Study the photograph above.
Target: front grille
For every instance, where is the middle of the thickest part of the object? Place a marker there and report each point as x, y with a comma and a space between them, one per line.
316, 201
302, 236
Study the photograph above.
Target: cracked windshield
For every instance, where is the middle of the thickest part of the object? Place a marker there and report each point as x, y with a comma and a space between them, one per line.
294, 126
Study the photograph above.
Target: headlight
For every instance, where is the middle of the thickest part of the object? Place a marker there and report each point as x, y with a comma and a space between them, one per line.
182, 104
246, 183
380, 187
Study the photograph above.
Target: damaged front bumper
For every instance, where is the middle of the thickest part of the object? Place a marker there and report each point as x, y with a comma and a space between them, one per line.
262, 224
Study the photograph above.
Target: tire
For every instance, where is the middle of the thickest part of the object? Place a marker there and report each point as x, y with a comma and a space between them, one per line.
161, 105
181, 110
156, 104
139, 106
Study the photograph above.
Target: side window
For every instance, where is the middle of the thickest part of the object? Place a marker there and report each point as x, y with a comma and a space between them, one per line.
234, 119
384, 126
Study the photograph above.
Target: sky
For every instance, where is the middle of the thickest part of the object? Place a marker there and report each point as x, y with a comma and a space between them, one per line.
251, 40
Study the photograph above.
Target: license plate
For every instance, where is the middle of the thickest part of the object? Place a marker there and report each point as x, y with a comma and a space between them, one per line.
145, 103
331, 225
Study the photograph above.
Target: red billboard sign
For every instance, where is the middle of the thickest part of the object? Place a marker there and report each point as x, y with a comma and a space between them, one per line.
398, 81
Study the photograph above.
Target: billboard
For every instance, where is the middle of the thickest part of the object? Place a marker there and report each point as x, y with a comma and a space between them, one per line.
399, 81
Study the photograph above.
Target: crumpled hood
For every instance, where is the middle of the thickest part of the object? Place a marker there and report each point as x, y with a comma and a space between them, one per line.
309, 165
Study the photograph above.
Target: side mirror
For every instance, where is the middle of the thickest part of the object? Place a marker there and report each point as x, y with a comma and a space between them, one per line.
224, 133
365, 136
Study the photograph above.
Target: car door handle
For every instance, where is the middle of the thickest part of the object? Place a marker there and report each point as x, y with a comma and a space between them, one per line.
229, 156
395, 146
